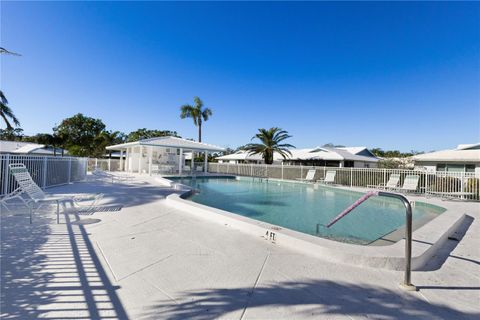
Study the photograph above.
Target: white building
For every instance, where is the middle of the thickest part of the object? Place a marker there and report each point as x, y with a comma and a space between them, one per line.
465, 158
358, 157
17, 147
161, 154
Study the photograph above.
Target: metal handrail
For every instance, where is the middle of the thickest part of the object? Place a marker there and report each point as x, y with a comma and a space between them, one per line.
407, 281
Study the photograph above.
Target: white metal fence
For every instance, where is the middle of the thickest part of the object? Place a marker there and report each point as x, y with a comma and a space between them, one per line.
463, 185
116, 165
46, 171
105, 164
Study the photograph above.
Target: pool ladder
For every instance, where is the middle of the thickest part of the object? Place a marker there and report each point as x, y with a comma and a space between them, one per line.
407, 281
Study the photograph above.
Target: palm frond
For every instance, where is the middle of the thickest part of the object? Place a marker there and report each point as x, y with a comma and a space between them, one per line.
3, 99
5, 111
5, 51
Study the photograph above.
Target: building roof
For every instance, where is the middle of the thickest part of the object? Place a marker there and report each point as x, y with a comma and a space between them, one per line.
463, 153
169, 142
318, 153
241, 155
26, 148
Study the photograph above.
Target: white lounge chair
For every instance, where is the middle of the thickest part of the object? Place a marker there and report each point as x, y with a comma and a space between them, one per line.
410, 184
310, 176
113, 177
35, 194
329, 177
15, 194
392, 182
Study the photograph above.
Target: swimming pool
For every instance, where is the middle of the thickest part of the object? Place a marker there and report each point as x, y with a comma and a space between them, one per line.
306, 207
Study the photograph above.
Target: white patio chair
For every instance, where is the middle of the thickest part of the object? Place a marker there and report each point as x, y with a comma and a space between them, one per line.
113, 177
35, 195
15, 194
329, 177
410, 184
309, 177
392, 183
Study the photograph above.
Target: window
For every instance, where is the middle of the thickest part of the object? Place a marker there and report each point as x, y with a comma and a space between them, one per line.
348, 164
451, 167
469, 168
456, 168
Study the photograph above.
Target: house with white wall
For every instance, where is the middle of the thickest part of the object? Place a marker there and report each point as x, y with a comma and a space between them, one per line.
355, 157
465, 158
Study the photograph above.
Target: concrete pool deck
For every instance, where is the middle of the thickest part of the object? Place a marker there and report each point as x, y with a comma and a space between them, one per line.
147, 260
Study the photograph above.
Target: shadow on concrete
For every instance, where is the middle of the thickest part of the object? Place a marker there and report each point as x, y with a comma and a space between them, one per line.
445, 251
52, 271
320, 299
126, 194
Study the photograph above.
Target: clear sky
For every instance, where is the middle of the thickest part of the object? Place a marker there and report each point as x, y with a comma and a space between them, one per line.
391, 75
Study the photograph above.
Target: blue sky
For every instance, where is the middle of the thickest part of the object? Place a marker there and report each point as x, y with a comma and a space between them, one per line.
391, 75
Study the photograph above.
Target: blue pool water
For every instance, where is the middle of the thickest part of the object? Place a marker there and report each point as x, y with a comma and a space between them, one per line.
306, 208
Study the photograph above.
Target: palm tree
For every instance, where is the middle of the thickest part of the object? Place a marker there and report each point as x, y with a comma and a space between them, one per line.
108, 138
270, 143
197, 113
6, 112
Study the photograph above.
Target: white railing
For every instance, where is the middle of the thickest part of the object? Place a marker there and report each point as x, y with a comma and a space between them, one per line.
46, 171
462, 185
105, 164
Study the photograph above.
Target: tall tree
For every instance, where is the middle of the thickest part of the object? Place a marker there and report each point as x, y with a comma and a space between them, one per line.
144, 133
108, 138
271, 142
197, 112
79, 135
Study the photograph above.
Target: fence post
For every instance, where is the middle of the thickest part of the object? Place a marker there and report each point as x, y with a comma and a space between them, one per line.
462, 185
44, 178
251, 170
109, 164
351, 177
69, 169
301, 171
96, 163
6, 174
282, 170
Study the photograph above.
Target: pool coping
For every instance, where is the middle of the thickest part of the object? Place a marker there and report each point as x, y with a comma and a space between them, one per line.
426, 240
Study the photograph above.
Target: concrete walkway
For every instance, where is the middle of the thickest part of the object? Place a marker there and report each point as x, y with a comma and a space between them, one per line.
146, 260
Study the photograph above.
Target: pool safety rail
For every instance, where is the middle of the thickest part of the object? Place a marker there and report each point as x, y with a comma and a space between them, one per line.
407, 281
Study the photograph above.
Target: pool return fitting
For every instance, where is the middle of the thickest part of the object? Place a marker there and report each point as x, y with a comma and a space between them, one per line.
407, 284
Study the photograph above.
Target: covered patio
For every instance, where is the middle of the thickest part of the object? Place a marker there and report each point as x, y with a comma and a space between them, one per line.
163, 155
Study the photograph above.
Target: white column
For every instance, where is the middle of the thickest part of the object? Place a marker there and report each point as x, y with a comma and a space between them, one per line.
205, 162
140, 159
180, 161
121, 160
150, 151
127, 153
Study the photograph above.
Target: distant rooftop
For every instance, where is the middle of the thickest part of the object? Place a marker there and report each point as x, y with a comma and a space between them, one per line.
317, 153
463, 152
